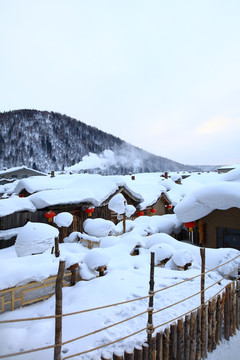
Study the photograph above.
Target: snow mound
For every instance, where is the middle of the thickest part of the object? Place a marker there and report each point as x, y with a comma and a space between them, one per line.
230, 268
162, 251
96, 258
98, 227
119, 227
182, 257
35, 238
63, 219
119, 205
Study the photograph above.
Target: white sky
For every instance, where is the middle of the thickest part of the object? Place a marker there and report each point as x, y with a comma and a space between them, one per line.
162, 75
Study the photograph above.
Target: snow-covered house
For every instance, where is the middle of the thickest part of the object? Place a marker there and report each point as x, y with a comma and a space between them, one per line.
19, 172
216, 210
67, 193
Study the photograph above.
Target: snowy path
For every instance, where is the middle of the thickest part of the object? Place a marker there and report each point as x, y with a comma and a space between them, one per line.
230, 349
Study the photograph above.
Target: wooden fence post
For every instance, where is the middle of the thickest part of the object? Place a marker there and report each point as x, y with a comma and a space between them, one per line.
57, 252
193, 333
237, 304
180, 339
128, 355
203, 260
187, 338
210, 315
198, 346
213, 324
166, 344
234, 313
138, 353
159, 345
226, 313
150, 328
173, 342
218, 320
58, 311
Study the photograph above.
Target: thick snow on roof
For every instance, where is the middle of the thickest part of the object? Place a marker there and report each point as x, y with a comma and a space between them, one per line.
15, 204
148, 186
201, 202
2, 172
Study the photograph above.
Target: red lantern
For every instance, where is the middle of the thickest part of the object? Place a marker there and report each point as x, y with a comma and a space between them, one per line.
140, 213
89, 211
50, 215
190, 225
169, 206
153, 211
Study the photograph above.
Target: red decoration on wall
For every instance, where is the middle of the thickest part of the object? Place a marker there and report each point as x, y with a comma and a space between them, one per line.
153, 211
190, 225
89, 211
140, 213
50, 215
169, 206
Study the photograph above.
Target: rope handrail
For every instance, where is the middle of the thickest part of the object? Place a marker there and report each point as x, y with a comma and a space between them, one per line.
194, 277
119, 303
197, 293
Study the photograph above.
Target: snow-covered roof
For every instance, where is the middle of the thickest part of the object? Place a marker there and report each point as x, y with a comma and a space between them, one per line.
221, 195
15, 204
14, 169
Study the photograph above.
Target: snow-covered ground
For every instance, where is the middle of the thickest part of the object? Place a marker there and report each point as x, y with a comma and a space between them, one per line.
127, 278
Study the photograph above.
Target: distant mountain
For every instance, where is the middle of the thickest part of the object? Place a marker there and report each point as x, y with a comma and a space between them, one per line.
49, 141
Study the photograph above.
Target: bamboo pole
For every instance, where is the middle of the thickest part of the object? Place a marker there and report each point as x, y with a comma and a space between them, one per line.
203, 260
58, 311
150, 328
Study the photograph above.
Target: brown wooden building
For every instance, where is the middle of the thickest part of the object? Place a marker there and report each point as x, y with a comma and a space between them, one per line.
220, 228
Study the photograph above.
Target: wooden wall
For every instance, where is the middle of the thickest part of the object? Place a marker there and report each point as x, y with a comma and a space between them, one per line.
220, 218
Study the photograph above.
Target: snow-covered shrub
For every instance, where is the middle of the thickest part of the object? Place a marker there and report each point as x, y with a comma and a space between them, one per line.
163, 252
96, 258
119, 227
183, 258
35, 238
98, 227
230, 268
119, 205
63, 219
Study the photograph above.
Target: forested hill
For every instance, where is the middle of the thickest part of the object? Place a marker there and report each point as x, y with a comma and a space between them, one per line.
50, 141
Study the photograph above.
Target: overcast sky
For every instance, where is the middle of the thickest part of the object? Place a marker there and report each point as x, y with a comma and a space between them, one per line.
162, 75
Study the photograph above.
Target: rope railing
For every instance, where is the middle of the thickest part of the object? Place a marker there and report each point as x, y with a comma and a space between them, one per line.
119, 303
197, 293
115, 324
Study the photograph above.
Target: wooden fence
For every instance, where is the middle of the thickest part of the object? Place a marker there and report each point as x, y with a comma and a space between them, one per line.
189, 336
192, 337
16, 297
